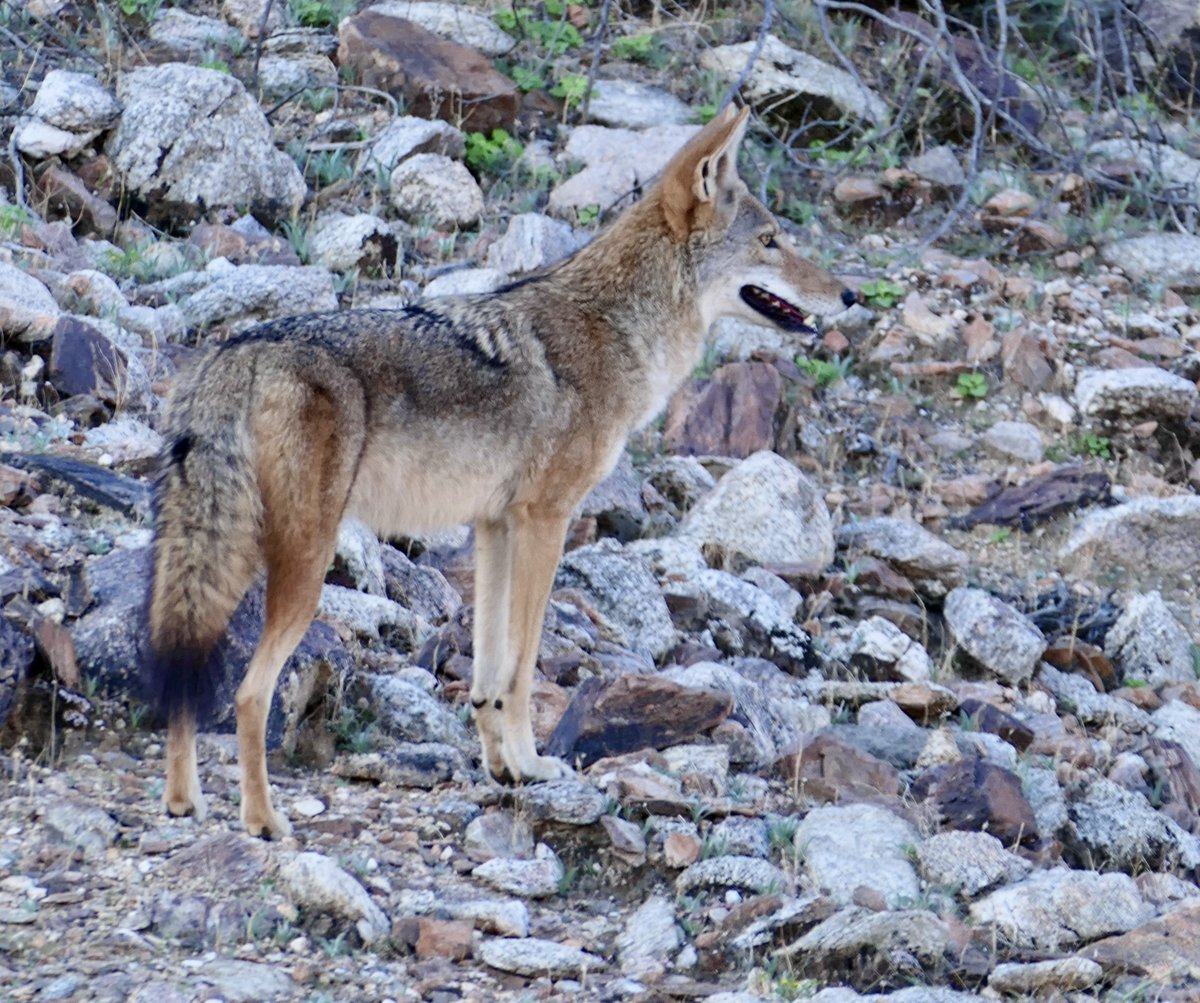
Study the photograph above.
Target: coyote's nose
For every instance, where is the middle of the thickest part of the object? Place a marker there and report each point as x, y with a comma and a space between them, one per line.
849, 297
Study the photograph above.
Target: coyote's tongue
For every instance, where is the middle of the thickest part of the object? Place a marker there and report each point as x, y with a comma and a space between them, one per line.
780, 311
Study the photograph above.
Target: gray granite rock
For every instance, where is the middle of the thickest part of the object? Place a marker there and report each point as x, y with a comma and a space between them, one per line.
1148, 643
993, 636
762, 511
532, 956
1141, 392
968, 862
432, 188
625, 594
1055, 910
192, 137
315, 882
844, 847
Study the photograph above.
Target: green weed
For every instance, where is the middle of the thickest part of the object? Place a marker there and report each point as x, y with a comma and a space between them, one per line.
882, 293
971, 386
826, 373
572, 89
493, 154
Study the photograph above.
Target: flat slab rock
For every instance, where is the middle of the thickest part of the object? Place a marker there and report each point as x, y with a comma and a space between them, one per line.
1165, 950
933, 565
634, 712
1040, 498
438, 78
1147, 537
1140, 392
533, 956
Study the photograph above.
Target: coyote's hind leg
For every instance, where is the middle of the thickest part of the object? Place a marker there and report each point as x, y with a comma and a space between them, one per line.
305, 469
181, 795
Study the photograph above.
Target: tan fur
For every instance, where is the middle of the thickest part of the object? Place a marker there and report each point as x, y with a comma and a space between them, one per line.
501, 410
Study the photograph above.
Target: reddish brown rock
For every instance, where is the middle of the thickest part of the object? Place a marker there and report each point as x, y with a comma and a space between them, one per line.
444, 938
83, 361
829, 769
436, 77
979, 337
65, 192
732, 414
219, 240
922, 702
680, 849
1024, 363
1073, 655
1166, 950
976, 796
634, 712
547, 704
856, 190
990, 718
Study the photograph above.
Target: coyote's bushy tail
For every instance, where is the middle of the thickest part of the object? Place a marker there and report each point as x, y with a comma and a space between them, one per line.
207, 547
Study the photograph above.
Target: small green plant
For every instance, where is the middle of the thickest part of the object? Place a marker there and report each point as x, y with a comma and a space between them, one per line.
492, 154
1096, 446
137, 714
882, 293
526, 79
798, 210
642, 48
213, 63
781, 836
704, 113
296, 232
826, 373
144, 9
319, 13
586, 215
1000, 536
12, 218
335, 947
355, 730
567, 881
1195, 652
556, 36
572, 88
971, 386
317, 99
1137, 684
713, 848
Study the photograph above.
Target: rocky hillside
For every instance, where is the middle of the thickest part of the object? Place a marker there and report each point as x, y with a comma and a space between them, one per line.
876, 656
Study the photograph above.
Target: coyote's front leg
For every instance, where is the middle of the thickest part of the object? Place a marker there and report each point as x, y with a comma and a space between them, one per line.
493, 581
530, 545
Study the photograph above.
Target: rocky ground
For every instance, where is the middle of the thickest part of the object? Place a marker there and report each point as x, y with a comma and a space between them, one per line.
876, 656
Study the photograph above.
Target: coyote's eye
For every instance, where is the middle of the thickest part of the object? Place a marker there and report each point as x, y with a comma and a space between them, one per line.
767, 240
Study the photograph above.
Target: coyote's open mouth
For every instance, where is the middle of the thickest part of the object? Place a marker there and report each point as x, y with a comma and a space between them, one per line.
777, 310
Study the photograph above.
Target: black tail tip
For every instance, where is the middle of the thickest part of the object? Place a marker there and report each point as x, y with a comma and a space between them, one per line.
183, 681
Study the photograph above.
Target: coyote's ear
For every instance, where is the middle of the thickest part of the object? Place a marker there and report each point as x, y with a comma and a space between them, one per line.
698, 172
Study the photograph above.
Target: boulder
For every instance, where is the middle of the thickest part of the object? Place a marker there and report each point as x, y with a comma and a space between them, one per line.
763, 511
437, 78
796, 78
192, 139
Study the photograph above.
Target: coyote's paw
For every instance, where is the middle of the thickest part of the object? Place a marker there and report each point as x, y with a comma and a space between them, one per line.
543, 768
192, 803
269, 824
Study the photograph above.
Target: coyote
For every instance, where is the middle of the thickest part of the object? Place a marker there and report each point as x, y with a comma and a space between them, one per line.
502, 410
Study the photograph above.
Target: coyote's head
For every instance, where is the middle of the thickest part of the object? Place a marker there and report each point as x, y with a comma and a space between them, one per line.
745, 265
